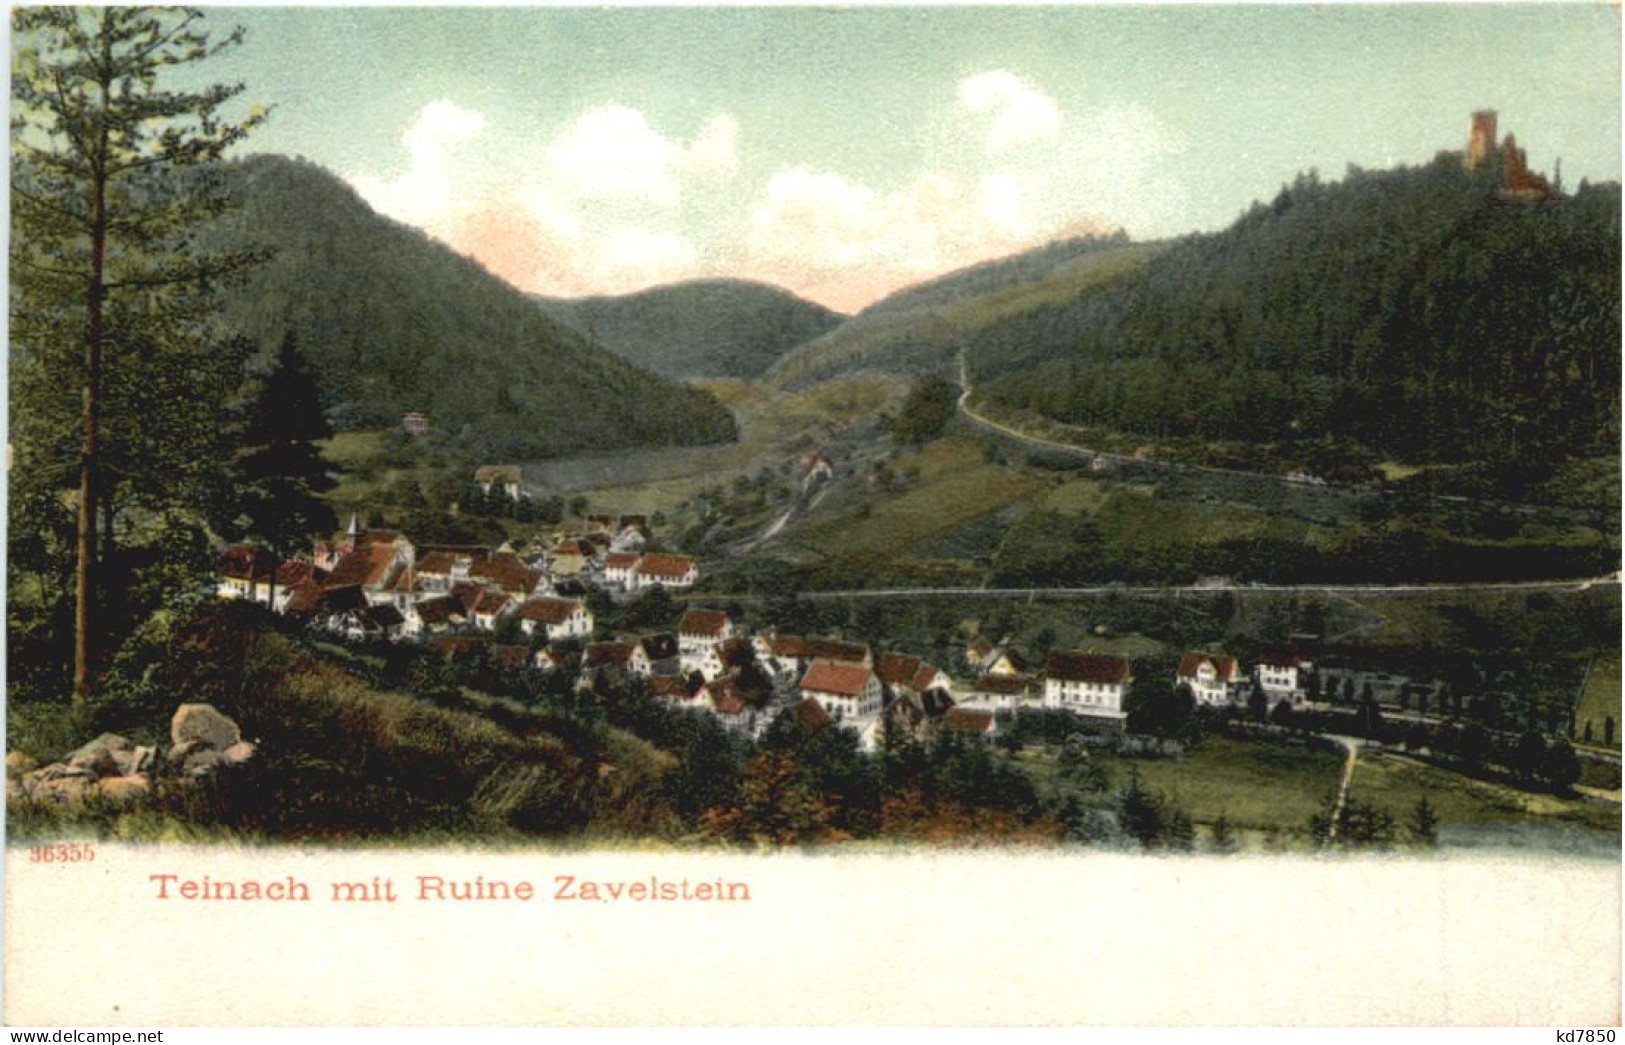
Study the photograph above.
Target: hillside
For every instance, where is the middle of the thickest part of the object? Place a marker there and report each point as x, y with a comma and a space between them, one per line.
1425, 314
712, 328
922, 328
393, 321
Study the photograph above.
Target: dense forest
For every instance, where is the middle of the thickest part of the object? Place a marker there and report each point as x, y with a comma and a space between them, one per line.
393, 322
1421, 313
922, 328
698, 329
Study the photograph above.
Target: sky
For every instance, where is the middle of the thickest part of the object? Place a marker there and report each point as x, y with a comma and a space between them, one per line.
844, 153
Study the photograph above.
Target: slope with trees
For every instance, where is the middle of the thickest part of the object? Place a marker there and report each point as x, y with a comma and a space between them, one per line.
1418, 313
392, 321
922, 328
708, 328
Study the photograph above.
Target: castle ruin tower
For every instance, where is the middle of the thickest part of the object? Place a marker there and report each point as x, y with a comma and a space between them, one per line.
1481, 138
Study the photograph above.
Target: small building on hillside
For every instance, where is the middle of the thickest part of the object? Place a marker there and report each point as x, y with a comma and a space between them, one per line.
415, 424
504, 477
245, 571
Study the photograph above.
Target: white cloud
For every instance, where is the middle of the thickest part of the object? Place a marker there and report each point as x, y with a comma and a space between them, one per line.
424, 194
612, 152
1021, 112
846, 243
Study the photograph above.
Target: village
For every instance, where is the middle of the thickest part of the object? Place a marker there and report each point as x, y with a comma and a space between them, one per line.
371, 585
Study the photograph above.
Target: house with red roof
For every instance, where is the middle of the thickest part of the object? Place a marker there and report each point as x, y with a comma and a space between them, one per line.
620, 568
697, 632
560, 619
1087, 684
850, 693
665, 571
245, 571
1213, 680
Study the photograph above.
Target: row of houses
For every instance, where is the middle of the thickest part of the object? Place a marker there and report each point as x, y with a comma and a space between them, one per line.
379, 584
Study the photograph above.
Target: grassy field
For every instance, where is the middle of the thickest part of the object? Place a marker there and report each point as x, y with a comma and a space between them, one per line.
1257, 786
1599, 701
355, 456
1396, 783
774, 426
954, 486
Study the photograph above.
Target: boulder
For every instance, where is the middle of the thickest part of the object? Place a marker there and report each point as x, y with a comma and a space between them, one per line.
238, 753
202, 724
107, 755
59, 785
122, 792
18, 764
202, 761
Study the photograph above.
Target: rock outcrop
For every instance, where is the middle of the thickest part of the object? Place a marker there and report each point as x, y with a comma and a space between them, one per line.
115, 771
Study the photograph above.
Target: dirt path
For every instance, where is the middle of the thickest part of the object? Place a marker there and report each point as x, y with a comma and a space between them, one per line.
1352, 746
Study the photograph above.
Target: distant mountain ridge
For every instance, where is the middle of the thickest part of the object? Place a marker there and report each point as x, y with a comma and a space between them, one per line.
708, 328
393, 321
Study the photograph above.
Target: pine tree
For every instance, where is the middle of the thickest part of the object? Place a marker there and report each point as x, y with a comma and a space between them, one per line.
103, 207
281, 474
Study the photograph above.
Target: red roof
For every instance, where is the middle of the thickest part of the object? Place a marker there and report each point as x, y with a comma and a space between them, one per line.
245, 562
845, 680
621, 560
489, 602
511, 656
1191, 663
295, 572
835, 649
962, 721
368, 567
548, 611
707, 623
899, 669
608, 654
673, 567
1086, 667
668, 688
1005, 685
304, 598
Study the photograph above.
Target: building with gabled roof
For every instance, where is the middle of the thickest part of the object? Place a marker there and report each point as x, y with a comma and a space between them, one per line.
666, 571
849, 692
1213, 680
560, 619
1087, 684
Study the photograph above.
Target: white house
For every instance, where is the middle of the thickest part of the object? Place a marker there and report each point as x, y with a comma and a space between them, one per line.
697, 632
667, 571
246, 572
562, 618
1212, 680
999, 693
498, 476
1087, 684
1280, 673
727, 656
850, 693
620, 568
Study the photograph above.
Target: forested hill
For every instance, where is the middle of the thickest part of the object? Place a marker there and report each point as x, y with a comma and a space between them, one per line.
1421, 313
921, 329
697, 329
393, 321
